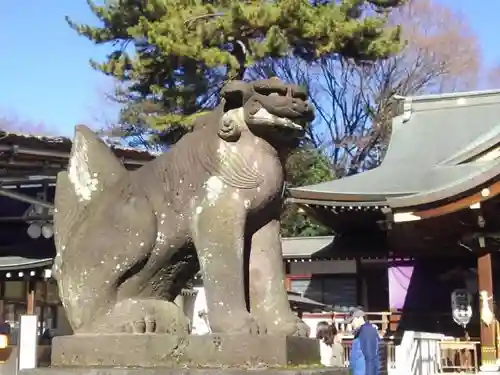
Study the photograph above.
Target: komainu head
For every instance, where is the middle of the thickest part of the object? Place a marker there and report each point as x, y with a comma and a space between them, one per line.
270, 109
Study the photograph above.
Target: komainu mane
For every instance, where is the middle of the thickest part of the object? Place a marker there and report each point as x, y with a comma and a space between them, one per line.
128, 241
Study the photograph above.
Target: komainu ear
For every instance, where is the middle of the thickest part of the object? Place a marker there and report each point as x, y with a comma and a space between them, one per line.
229, 129
234, 93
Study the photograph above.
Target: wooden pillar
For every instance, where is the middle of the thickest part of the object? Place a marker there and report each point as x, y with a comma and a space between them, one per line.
485, 286
30, 297
2, 300
288, 281
359, 284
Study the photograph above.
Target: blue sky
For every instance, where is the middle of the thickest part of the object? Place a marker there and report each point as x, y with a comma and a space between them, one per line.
44, 66
484, 21
46, 77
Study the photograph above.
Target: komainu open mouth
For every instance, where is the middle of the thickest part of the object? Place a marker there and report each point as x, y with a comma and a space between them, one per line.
263, 116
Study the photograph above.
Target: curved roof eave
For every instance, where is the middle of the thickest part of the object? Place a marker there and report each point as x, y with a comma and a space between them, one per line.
451, 190
13, 263
397, 201
324, 201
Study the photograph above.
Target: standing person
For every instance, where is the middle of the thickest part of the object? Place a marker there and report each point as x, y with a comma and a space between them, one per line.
331, 349
323, 335
365, 346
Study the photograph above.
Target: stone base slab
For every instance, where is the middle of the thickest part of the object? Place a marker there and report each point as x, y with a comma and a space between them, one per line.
179, 371
157, 350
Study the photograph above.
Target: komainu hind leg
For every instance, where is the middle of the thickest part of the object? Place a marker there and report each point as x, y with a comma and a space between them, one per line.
143, 316
116, 254
106, 231
112, 243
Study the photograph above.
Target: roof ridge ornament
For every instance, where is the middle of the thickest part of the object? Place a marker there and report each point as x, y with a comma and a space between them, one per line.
407, 109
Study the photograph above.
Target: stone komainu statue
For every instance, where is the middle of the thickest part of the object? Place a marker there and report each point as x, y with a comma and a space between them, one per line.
128, 241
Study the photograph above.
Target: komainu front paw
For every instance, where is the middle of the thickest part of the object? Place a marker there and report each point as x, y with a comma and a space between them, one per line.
143, 316
153, 316
156, 324
146, 324
288, 326
238, 323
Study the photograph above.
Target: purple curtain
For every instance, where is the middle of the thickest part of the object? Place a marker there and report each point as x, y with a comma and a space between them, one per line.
399, 280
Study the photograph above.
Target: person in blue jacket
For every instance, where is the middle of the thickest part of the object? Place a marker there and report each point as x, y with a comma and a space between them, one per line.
365, 346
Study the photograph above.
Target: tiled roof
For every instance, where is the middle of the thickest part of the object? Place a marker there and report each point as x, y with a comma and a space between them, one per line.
436, 151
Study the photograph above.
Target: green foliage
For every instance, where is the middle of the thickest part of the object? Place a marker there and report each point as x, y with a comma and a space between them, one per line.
146, 116
176, 54
305, 167
173, 56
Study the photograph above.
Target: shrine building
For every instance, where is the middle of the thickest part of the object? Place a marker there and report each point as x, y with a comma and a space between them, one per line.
429, 216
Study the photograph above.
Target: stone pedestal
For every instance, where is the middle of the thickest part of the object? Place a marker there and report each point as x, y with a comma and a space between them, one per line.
180, 371
170, 351
129, 354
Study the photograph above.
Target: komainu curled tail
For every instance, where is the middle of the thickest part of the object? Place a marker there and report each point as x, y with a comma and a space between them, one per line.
92, 168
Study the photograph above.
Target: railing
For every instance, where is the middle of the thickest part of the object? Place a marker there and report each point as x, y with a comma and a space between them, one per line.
379, 319
459, 356
427, 354
390, 321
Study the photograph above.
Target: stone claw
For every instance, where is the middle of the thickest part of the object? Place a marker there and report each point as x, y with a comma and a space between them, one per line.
144, 317
146, 325
243, 323
290, 326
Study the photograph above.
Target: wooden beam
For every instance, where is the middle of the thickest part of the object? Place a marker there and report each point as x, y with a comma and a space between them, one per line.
492, 191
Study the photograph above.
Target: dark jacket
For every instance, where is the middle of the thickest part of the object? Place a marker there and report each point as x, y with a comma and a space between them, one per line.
364, 351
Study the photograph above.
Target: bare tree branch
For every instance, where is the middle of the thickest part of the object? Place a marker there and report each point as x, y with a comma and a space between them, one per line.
11, 123
354, 102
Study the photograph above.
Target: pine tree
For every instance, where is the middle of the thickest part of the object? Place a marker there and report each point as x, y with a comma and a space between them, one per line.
172, 56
